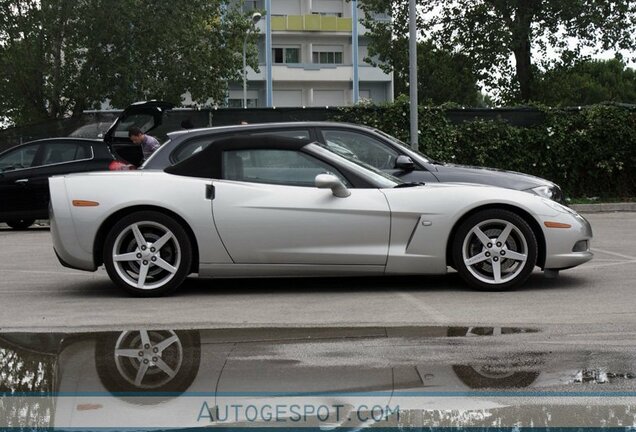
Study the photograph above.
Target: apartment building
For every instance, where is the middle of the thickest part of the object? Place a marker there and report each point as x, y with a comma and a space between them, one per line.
312, 58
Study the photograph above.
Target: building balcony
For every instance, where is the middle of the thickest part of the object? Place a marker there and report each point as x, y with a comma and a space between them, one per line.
319, 72
311, 23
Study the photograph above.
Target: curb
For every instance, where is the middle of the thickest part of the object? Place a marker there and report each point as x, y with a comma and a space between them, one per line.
605, 207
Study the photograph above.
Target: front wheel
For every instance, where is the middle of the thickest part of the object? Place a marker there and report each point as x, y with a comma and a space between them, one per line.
148, 254
494, 250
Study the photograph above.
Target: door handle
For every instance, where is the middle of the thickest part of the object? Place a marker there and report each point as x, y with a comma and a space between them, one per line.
22, 181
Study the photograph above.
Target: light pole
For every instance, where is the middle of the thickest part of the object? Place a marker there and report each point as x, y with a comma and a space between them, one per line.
256, 17
413, 73
354, 49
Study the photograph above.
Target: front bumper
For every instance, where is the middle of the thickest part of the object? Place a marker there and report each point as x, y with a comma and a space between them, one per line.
567, 248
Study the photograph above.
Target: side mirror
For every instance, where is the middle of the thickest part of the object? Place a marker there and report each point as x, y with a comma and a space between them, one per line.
330, 181
404, 163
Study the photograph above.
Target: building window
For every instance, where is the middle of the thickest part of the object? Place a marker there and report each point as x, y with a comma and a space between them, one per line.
250, 5
328, 7
286, 55
327, 57
238, 103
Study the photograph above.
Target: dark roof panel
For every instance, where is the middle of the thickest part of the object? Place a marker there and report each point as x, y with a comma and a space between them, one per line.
208, 162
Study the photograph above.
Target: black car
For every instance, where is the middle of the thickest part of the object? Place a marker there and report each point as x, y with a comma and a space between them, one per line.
366, 144
25, 172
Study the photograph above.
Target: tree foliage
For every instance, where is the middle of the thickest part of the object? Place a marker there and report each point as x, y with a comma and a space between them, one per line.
505, 37
442, 76
59, 57
587, 82
588, 152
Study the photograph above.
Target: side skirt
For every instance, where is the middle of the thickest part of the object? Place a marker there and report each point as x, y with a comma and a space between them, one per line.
286, 270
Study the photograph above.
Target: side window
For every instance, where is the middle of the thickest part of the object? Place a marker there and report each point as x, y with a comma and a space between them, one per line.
60, 152
362, 147
190, 148
19, 158
282, 167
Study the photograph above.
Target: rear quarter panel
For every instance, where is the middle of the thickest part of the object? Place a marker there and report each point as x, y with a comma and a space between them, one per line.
119, 191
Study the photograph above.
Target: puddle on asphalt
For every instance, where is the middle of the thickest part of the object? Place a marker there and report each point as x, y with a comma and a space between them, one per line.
399, 377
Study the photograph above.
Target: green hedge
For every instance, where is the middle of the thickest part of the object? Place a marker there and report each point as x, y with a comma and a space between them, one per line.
589, 152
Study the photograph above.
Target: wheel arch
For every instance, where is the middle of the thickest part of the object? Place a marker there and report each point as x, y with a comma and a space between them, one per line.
106, 226
530, 220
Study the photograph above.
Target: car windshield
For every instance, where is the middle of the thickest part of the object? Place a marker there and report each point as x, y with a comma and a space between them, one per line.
381, 178
403, 144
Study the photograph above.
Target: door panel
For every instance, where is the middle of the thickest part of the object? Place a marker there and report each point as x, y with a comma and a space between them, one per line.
264, 223
14, 196
17, 167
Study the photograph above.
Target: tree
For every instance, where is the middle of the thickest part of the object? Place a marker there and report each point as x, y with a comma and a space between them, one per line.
587, 82
59, 57
442, 76
504, 37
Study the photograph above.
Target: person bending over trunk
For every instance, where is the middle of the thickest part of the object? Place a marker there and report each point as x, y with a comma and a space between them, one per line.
148, 144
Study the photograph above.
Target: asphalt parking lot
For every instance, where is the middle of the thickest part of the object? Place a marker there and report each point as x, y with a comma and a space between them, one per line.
36, 292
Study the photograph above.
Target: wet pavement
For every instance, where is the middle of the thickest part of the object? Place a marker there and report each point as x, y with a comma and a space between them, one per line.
323, 378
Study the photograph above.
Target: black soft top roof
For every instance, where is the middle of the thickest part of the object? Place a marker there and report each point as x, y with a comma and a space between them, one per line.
208, 162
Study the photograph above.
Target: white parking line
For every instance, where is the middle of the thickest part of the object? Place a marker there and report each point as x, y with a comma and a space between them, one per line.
613, 253
435, 315
42, 272
616, 263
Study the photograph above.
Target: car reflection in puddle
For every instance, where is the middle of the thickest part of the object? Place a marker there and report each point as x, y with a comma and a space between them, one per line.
406, 377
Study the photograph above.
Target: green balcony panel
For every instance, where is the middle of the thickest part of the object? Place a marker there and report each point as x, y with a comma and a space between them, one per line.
279, 23
345, 24
329, 23
295, 23
312, 22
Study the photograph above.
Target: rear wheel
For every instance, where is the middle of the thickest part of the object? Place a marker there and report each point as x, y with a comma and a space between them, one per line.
148, 361
494, 250
20, 224
148, 254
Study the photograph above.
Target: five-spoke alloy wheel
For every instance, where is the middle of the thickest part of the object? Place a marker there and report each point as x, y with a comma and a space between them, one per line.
157, 363
148, 254
494, 250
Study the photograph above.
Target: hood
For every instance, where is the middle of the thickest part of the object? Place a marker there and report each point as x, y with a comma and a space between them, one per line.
488, 176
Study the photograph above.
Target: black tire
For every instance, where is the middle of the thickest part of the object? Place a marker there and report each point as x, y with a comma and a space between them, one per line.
20, 224
507, 255
117, 374
176, 253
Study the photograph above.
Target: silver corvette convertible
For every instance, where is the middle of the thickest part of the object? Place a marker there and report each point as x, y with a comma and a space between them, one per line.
258, 206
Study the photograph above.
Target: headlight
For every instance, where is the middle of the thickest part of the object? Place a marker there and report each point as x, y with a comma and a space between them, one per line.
545, 191
552, 192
